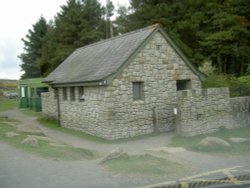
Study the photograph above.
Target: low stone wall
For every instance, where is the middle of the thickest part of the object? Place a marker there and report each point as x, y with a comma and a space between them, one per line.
206, 110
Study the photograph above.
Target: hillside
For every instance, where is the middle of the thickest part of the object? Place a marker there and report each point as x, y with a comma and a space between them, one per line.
8, 84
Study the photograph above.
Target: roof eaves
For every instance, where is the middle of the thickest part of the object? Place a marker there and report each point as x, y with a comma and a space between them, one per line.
75, 84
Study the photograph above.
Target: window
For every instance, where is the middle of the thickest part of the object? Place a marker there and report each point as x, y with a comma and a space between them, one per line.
81, 93
183, 84
65, 93
137, 90
72, 93
158, 47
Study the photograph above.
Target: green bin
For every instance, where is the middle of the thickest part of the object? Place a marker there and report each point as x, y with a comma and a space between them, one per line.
23, 102
37, 104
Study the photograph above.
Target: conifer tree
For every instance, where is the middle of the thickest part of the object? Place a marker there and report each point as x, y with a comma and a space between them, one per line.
33, 49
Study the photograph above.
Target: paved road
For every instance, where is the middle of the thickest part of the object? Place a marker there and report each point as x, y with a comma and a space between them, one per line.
22, 170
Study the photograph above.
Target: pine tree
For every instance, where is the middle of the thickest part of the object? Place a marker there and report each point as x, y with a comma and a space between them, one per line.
80, 22
32, 49
226, 39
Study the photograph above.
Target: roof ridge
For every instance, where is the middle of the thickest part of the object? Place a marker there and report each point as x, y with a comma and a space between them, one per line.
119, 36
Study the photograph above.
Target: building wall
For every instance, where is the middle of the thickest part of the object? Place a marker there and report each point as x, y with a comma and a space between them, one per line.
241, 109
158, 70
111, 112
205, 111
49, 104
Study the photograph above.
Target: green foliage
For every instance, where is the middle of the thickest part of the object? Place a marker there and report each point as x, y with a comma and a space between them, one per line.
80, 22
241, 87
145, 165
217, 80
32, 49
207, 68
7, 104
204, 30
218, 30
238, 86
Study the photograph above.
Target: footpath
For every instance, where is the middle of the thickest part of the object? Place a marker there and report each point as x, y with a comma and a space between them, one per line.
201, 164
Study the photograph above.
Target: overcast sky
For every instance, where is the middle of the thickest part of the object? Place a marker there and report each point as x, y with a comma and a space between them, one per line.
16, 18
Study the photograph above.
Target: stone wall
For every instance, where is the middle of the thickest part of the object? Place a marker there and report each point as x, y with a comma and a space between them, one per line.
49, 104
158, 70
205, 111
241, 109
111, 112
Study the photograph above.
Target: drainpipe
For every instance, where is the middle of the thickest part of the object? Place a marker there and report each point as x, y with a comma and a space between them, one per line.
58, 106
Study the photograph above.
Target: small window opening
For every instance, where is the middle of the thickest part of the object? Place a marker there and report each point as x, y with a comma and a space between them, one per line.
72, 93
158, 47
81, 93
183, 84
138, 90
65, 97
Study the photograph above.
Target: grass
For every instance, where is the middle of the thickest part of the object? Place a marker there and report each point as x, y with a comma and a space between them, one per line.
192, 143
29, 112
52, 124
44, 149
145, 165
7, 104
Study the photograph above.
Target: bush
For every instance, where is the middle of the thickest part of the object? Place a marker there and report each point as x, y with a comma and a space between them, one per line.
238, 86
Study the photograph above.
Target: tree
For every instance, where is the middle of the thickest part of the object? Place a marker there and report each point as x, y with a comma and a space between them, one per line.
227, 38
80, 22
32, 49
216, 29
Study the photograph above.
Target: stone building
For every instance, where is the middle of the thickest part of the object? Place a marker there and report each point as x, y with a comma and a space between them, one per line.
120, 87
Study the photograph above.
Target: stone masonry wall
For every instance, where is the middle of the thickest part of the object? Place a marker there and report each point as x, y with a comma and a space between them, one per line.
241, 109
110, 111
49, 104
205, 111
89, 115
158, 70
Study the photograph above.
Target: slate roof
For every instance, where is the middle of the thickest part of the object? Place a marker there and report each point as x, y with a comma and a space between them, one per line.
97, 61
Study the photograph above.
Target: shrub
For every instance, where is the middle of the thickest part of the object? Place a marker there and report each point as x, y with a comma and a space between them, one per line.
238, 86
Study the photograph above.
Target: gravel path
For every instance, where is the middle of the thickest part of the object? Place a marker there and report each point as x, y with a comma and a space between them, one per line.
29, 124
21, 170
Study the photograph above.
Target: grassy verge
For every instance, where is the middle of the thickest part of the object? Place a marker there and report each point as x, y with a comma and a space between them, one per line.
44, 149
7, 104
192, 143
52, 124
29, 112
145, 165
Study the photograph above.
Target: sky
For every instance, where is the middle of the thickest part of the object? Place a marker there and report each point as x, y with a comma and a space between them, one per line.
16, 18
